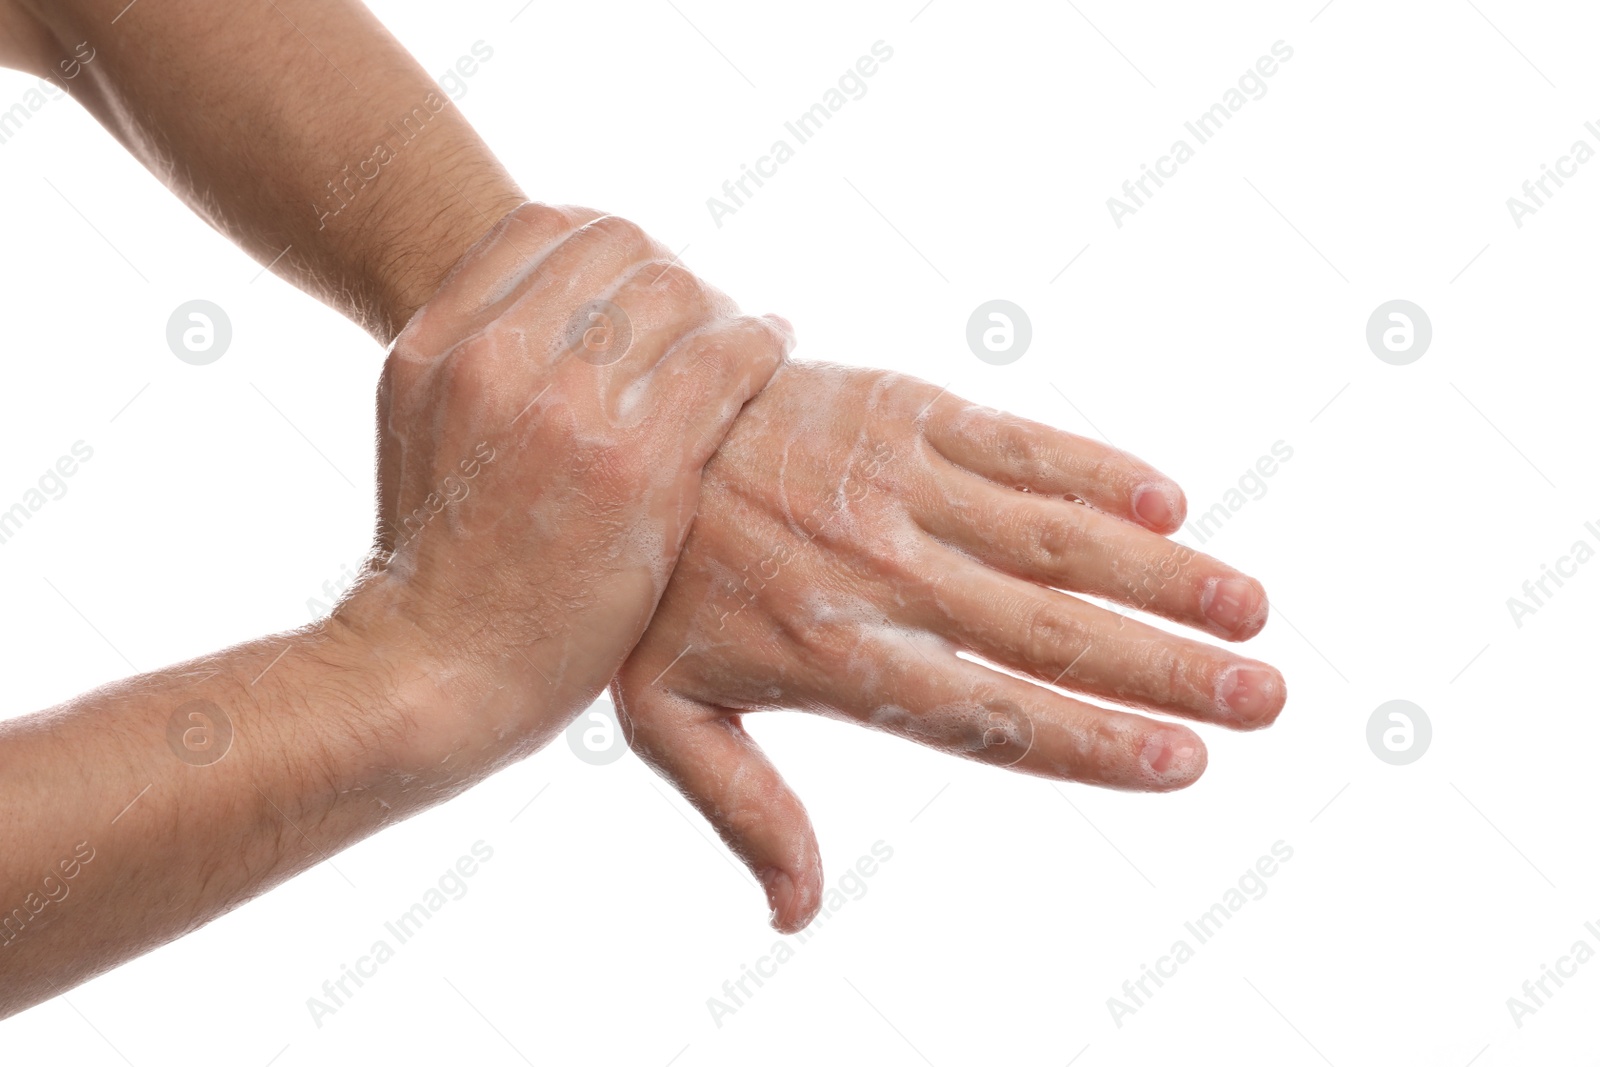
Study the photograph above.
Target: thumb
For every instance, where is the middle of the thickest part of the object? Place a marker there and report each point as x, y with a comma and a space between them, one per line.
705, 751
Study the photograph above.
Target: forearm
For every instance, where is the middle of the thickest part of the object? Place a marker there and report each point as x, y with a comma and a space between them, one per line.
140, 811
301, 129
504, 594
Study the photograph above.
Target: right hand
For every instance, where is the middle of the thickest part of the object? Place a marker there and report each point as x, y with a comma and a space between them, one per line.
540, 458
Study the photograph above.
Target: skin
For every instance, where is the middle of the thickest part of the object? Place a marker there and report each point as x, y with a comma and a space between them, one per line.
263, 118
881, 520
546, 574
505, 594
872, 550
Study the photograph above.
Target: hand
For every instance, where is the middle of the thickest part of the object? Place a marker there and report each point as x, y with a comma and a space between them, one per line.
543, 423
857, 529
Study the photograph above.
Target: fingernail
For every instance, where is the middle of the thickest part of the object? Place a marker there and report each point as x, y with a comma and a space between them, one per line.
1173, 758
1156, 504
1234, 606
1253, 694
780, 895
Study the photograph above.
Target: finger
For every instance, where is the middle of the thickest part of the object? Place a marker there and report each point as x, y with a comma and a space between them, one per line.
490, 272
712, 761
586, 267
925, 693
647, 313
708, 376
1072, 547
1020, 454
506, 372
1066, 641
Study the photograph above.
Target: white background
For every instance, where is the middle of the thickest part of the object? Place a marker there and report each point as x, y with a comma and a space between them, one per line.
1226, 315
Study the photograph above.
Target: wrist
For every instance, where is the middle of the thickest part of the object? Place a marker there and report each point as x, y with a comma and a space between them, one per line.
451, 708
412, 240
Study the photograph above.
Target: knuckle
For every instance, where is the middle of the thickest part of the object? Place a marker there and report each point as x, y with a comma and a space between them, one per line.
563, 215
1060, 542
1020, 451
535, 218
744, 341
1177, 682
723, 354
1191, 680
616, 232
767, 332
1050, 636
677, 284
1104, 471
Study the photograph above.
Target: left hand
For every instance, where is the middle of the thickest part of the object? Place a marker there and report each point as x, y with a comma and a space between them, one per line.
855, 531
